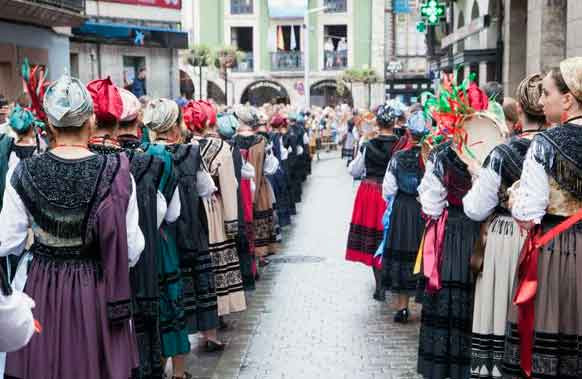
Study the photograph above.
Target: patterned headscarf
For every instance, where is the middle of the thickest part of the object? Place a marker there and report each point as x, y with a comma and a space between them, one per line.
21, 120
107, 102
227, 125
529, 92
160, 115
417, 124
248, 116
195, 116
210, 111
387, 113
67, 103
131, 105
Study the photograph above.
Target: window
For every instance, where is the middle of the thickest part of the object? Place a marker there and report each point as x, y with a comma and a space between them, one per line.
409, 42
335, 47
336, 6
241, 6
74, 65
242, 39
131, 66
285, 46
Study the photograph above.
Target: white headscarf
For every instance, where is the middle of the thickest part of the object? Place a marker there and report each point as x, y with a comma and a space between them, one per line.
67, 103
160, 115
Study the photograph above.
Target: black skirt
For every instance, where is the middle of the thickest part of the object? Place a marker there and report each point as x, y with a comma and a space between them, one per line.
406, 229
446, 321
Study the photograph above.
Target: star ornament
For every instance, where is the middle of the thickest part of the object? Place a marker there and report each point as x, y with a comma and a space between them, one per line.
433, 11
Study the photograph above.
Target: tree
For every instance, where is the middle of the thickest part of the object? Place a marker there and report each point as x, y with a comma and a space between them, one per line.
367, 76
226, 57
200, 55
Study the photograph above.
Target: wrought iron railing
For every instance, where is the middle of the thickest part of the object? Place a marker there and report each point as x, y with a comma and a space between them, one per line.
335, 60
245, 63
287, 61
336, 6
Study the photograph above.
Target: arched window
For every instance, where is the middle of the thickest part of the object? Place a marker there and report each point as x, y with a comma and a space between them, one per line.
460, 24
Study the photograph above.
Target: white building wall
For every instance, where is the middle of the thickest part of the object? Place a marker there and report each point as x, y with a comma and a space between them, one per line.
138, 12
160, 81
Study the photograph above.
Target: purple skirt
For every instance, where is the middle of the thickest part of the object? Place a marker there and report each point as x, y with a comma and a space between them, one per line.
77, 339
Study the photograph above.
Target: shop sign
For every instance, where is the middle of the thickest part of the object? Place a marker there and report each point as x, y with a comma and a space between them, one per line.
473, 27
401, 6
175, 4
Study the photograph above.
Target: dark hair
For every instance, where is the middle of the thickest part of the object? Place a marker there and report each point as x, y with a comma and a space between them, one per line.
494, 90
107, 124
141, 69
534, 119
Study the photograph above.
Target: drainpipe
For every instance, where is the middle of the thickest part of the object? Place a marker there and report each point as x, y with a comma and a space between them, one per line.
98, 59
172, 69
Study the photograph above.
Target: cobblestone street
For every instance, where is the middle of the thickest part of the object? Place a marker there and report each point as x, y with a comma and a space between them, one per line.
312, 315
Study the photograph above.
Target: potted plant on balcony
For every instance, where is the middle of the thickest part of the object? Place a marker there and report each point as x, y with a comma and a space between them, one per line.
226, 57
200, 55
366, 76
349, 76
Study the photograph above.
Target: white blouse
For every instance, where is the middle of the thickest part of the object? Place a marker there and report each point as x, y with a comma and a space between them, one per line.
271, 164
357, 167
16, 321
204, 184
171, 212
389, 185
481, 200
533, 195
14, 232
432, 193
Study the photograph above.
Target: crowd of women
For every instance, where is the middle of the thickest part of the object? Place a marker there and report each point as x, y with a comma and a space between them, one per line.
130, 225
488, 245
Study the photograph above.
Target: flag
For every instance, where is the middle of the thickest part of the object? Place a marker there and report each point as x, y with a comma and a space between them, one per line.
293, 42
280, 40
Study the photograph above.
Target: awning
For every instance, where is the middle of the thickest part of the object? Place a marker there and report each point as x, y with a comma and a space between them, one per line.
287, 8
134, 34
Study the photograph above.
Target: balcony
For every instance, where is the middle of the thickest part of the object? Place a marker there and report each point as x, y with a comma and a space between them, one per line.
335, 6
287, 61
335, 60
241, 6
245, 63
44, 12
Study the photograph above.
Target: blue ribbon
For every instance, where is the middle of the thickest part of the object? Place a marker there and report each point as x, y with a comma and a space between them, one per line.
386, 223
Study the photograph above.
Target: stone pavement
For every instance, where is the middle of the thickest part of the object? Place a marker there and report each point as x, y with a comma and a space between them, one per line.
312, 315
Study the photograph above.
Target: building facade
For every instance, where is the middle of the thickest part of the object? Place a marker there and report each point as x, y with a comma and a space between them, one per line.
273, 40
122, 36
38, 30
405, 63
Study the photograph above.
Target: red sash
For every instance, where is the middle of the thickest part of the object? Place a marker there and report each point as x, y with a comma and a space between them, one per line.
527, 279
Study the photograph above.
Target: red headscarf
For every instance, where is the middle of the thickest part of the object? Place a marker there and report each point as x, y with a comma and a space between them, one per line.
278, 121
210, 111
195, 116
107, 102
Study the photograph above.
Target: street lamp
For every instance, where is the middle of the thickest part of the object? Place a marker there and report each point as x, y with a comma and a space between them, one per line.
306, 86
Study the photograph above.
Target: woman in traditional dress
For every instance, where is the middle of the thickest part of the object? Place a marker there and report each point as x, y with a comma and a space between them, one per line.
349, 141
254, 150
406, 226
16, 319
488, 200
221, 207
83, 213
546, 340
445, 333
227, 127
188, 296
12, 150
366, 228
280, 179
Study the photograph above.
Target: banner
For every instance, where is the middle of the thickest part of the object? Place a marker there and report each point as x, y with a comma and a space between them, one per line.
401, 6
174, 4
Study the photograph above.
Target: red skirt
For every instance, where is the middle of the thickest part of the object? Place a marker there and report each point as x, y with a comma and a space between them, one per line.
366, 229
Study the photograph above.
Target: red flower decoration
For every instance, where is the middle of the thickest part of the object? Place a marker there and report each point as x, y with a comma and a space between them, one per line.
476, 97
